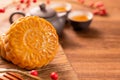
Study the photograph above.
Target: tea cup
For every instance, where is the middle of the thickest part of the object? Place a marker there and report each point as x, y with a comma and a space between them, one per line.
61, 7
80, 19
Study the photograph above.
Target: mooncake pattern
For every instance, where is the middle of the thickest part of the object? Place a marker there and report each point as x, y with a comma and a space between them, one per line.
31, 42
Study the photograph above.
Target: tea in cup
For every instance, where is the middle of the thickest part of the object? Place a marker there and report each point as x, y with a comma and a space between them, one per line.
80, 19
61, 7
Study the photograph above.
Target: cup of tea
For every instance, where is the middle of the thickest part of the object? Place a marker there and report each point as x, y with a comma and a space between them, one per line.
80, 19
61, 7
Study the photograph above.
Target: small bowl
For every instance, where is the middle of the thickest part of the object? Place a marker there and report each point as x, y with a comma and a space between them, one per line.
80, 25
61, 7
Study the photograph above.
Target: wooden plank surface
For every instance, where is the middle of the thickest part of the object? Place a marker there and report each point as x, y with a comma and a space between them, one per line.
60, 64
95, 53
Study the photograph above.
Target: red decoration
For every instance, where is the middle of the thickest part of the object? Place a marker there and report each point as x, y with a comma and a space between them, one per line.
28, 2
100, 11
34, 1
2, 10
34, 72
103, 12
54, 76
21, 1
96, 12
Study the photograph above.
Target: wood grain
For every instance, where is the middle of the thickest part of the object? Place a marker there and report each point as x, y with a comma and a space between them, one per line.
95, 53
60, 65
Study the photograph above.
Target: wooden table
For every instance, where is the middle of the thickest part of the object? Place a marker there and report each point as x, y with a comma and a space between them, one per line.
95, 53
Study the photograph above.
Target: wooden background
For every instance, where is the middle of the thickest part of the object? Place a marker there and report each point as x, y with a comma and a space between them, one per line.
95, 53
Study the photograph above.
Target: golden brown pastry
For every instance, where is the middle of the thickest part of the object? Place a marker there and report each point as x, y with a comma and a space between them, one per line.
2, 50
31, 42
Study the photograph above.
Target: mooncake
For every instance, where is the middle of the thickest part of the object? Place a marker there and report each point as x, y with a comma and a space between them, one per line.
31, 42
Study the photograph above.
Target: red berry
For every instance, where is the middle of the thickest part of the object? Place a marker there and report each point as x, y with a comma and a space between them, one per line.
102, 11
95, 12
2, 10
28, 3
54, 76
99, 4
34, 1
21, 1
34, 72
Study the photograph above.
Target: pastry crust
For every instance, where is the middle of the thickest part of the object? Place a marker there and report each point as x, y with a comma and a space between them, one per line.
2, 50
31, 42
